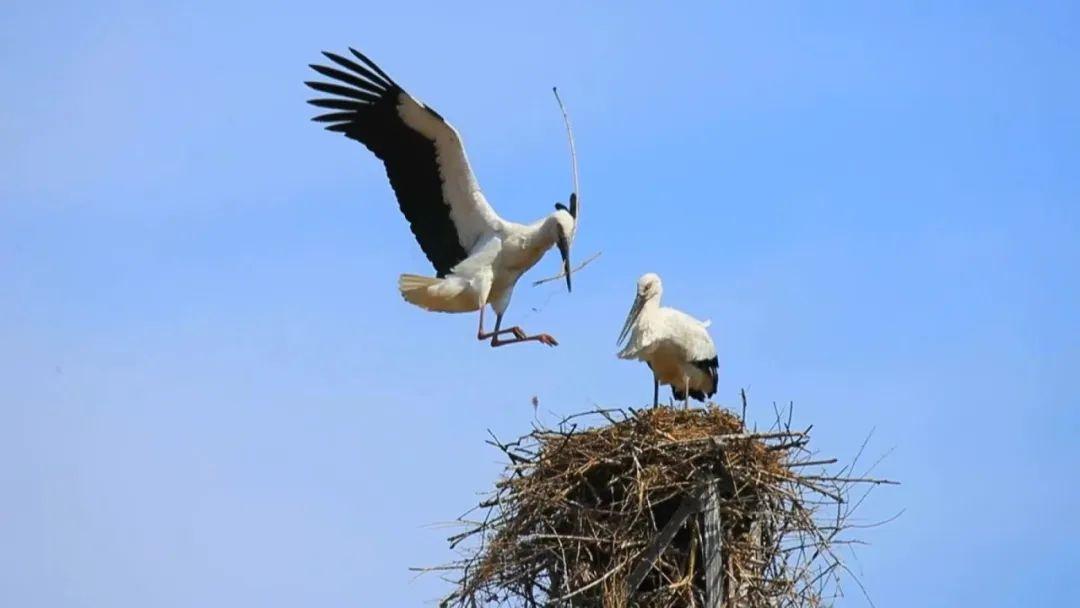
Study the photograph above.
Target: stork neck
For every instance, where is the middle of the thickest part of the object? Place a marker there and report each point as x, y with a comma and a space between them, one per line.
542, 234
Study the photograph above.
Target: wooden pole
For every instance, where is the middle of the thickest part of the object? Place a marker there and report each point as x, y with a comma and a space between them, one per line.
690, 505
713, 545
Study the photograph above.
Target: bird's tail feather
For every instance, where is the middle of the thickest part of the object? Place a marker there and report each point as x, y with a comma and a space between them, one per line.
414, 288
440, 295
409, 282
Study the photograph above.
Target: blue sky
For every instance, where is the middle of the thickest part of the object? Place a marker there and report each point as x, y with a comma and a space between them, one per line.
211, 393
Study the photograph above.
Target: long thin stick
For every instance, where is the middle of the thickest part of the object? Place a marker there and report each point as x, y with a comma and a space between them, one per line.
577, 188
573, 149
563, 273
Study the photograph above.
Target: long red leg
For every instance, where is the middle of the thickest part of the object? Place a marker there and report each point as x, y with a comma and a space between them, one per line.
482, 335
519, 334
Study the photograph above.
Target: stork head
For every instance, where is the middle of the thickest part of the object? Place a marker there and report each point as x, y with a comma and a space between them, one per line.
565, 228
648, 288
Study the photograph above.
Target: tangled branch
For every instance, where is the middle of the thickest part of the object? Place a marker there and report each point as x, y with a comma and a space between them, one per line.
579, 508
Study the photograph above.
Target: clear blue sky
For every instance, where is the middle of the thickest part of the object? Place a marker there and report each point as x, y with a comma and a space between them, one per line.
211, 393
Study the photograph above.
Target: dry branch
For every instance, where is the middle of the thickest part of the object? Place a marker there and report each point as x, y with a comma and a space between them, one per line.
576, 190
563, 273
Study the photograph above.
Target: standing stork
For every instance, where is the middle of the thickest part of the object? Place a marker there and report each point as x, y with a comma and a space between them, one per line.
477, 255
676, 346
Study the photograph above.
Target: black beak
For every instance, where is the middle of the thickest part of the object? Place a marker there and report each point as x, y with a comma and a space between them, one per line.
631, 318
564, 251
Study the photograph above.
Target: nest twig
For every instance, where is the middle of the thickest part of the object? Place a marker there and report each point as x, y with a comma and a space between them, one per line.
580, 507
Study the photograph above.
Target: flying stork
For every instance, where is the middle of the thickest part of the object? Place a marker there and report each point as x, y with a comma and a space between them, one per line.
477, 255
676, 346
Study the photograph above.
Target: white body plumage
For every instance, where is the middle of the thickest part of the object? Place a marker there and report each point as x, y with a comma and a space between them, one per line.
676, 346
489, 273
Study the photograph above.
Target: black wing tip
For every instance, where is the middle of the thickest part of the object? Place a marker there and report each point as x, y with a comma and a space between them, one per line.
337, 123
335, 57
335, 103
345, 91
372, 71
371, 64
364, 58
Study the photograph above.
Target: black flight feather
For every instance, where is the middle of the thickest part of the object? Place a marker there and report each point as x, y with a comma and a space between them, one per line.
367, 100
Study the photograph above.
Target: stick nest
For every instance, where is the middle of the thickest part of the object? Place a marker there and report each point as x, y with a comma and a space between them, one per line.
579, 507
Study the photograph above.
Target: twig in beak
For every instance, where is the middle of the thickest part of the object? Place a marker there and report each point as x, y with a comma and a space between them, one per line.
573, 150
564, 273
575, 207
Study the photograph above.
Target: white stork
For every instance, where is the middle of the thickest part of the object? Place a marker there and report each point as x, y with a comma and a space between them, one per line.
676, 346
477, 255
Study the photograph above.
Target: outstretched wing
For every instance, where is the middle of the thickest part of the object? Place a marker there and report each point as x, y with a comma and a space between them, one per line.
423, 154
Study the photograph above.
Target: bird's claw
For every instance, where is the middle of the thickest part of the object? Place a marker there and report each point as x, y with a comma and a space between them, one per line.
519, 333
546, 339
